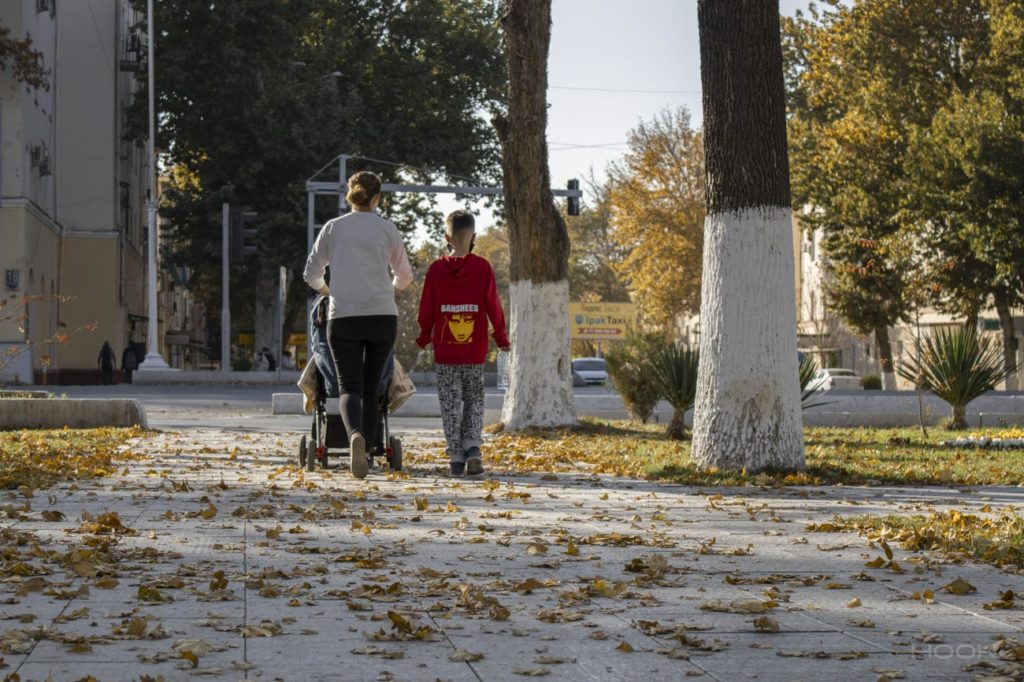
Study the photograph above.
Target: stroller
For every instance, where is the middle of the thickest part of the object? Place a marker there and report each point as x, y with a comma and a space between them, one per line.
327, 431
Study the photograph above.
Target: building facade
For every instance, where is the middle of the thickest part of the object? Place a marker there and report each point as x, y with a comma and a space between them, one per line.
74, 180
827, 339
30, 235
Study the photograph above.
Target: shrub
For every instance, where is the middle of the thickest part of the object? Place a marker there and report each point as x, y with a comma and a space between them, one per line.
626, 372
957, 366
871, 382
672, 369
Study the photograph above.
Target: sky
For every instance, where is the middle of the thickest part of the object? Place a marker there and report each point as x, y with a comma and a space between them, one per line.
611, 65
600, 50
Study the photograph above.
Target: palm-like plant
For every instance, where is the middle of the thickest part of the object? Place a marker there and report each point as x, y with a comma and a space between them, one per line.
807, 371
673, 370
957, 366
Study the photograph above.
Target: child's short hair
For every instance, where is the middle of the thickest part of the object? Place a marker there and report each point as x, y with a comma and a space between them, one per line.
457, 222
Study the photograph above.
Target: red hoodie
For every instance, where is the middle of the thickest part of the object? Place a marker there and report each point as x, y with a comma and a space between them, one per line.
459, 294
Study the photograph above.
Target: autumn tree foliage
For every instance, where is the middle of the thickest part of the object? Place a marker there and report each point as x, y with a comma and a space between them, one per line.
656, 199
25, 62
905, 133
595, 256
861, 79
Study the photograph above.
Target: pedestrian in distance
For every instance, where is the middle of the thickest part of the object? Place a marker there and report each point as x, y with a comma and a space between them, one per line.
459, 297
128, 363
360, 247
106, 362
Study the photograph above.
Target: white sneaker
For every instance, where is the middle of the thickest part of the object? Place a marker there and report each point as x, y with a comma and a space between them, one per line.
357, 455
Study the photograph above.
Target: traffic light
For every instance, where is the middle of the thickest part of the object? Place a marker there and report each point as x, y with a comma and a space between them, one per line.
573, 207
243, 234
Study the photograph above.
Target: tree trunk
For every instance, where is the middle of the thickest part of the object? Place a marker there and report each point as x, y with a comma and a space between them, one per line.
1002, 301
957, 419
748, 399
971, 320
265, 295
885, 358
677, 425
540, 382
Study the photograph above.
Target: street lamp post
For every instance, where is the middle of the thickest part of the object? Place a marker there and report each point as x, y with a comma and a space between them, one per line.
153, 360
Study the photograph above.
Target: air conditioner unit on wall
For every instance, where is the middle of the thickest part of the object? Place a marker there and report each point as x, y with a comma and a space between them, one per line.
41, 159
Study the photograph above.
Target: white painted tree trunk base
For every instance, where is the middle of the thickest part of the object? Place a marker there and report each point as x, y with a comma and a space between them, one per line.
263, 316
540, 374
889, 381
747, 413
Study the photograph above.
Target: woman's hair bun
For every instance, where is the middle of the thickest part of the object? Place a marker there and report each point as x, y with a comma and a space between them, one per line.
362, 188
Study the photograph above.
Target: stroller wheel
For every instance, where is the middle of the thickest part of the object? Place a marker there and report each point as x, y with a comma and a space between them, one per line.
303, 453
395, 458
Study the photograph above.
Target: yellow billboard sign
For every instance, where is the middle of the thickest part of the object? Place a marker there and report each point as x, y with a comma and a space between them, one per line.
601, 321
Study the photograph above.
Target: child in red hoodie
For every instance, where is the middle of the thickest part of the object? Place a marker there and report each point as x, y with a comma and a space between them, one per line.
459, 295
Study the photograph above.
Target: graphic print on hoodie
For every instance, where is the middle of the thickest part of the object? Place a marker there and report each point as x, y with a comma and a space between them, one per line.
459, 297
460, 321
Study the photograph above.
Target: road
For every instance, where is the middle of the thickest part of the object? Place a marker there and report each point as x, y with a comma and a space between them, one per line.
246, 408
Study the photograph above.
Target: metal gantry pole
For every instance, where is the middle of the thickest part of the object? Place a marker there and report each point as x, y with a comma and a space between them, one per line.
225, 298
310, 230
342, 183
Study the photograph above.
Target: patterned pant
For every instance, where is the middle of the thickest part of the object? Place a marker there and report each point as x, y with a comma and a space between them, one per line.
460, 390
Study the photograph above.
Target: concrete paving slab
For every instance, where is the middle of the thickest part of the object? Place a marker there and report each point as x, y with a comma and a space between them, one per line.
484, 565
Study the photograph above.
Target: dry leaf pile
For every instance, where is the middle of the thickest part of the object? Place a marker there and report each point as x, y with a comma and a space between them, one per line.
39, 458
995, 537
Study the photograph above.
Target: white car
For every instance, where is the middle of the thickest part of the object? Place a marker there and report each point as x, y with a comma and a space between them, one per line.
593, 370
834, 377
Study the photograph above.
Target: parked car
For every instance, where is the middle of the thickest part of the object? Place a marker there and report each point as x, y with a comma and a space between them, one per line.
834, 377
593, 370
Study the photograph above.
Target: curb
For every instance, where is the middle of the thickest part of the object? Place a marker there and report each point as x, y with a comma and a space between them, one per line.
426, 405
33, 413
857, 410
153, 378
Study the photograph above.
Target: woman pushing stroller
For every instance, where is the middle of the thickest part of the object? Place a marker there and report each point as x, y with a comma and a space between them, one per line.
360, 247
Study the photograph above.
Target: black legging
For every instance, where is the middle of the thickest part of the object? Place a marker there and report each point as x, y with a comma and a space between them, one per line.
361, 346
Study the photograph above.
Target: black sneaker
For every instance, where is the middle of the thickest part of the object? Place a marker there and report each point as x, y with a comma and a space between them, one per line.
458, 468
474, 466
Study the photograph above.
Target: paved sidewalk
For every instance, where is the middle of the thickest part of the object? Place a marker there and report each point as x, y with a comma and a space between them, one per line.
233, 564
